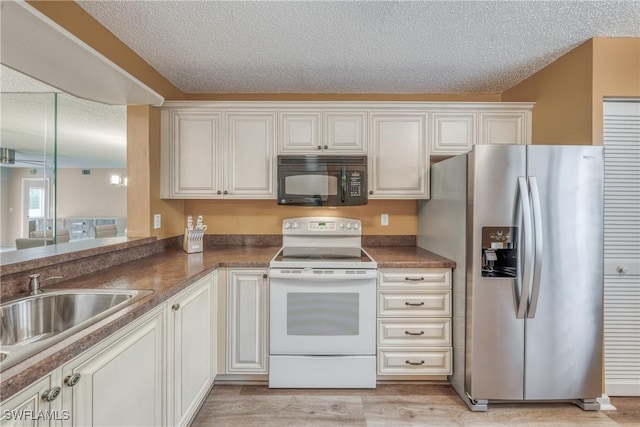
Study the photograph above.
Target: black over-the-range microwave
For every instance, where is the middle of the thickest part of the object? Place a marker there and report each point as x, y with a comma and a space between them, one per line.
322, 180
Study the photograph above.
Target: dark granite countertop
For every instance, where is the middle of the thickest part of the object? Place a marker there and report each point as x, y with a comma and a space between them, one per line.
407, 257
166, 274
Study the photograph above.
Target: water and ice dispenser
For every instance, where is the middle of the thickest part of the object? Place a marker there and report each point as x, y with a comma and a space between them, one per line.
499, 252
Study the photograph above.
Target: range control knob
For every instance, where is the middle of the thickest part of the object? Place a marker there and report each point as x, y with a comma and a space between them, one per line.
287, 225
295, 225
348, 226
342, 225
356, 226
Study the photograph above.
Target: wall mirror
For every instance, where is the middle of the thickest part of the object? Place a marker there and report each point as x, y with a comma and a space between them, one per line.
63, 166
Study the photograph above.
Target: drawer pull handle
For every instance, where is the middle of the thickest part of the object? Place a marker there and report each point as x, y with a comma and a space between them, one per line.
412, 304
414, 363
414, 333
414, 279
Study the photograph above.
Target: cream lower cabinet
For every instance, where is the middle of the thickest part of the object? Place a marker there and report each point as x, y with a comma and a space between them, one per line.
398, 155
414, 323
121, 381
192, 363
247, 321
37, 405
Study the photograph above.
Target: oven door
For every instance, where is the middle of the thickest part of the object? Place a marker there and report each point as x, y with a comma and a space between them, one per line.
322, 312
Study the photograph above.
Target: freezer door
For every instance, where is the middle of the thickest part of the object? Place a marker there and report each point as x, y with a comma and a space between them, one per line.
494, 363
563, 355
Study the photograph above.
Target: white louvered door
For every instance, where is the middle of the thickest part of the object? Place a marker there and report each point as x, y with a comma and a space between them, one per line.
622, 247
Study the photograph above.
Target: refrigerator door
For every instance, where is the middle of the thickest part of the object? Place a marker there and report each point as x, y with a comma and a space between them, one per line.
563, 355
494, 363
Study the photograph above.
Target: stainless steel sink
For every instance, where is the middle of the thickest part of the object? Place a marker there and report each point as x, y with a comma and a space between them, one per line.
32, 323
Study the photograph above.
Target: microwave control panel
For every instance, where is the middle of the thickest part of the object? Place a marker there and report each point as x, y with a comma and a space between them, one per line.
356, 184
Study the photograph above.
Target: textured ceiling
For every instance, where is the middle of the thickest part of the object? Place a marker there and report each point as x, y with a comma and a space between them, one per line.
357, 46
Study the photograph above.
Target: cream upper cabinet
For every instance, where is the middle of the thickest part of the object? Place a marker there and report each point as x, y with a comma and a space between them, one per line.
300, 132
455, 129
340, 131
250, 155
398, 155
191, 153
215, 150
453, 132
211, 154
508, 127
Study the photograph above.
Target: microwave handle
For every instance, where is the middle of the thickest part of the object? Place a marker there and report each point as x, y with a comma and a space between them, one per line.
343, 186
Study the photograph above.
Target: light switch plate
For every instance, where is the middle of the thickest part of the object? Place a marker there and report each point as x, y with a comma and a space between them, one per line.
157, 221
384, 219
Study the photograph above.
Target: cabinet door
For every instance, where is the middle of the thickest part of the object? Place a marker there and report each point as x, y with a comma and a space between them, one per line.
345, 132
196, 154
452, 132
30, 407
398, 160
299, 132
249, 154
505, 128
247, 317
122, 383
193, 360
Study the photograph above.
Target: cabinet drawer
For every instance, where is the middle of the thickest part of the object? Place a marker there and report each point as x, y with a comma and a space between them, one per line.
414, 304
408, 332
414, 361
432, 278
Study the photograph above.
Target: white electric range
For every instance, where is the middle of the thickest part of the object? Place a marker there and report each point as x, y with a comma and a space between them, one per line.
322, 307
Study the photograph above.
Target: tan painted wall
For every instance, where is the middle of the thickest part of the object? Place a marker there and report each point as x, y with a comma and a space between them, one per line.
568, 93
616, 73
265, 216
143, 163
562, 93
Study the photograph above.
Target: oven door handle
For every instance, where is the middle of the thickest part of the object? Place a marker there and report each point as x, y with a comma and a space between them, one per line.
322, 275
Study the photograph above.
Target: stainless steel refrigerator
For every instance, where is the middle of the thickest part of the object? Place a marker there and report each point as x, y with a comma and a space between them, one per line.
524, 225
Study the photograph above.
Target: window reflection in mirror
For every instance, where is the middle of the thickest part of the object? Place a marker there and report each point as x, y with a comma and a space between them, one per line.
63, 166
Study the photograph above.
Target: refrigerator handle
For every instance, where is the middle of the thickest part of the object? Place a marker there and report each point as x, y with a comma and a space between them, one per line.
523, 194
537, 227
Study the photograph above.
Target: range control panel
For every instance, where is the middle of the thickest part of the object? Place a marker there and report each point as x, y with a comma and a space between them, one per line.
328, 226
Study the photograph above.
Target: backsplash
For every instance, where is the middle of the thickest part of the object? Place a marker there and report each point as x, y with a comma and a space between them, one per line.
256, 217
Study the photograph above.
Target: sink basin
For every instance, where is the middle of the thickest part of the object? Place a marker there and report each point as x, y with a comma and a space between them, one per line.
32, 323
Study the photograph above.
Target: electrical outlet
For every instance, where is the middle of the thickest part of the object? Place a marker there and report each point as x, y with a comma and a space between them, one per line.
384, 219
157, 221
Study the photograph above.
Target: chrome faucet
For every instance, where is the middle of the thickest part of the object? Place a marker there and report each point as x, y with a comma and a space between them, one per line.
34, 283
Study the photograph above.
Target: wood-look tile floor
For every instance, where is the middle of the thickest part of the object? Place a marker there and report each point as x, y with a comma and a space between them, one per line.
392, 405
